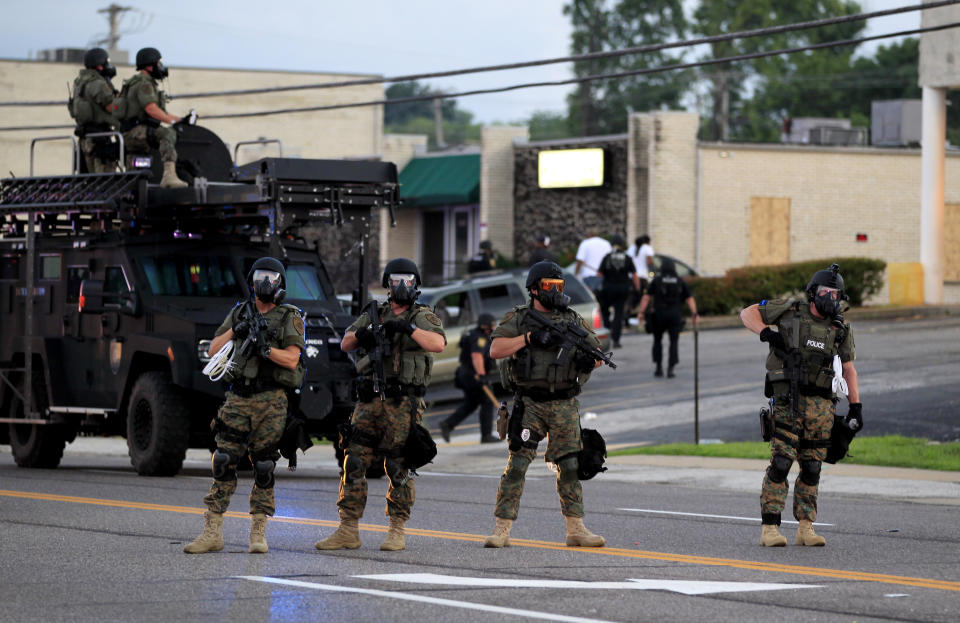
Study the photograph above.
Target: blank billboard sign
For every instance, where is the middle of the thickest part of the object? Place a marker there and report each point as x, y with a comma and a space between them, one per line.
570, 168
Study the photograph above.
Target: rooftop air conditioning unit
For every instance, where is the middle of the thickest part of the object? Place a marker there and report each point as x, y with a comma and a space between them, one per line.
838, 136
895, 123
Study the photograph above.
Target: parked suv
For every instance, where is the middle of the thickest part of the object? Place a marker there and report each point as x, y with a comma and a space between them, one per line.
458, 304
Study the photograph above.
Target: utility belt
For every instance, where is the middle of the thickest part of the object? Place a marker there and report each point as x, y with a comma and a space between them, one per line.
128, 124
393, 391
805, 390
545, 395
257, 386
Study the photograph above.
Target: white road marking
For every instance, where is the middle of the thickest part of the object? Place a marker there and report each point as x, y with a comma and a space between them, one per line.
647, 510
897, 595
532, 614
677, 586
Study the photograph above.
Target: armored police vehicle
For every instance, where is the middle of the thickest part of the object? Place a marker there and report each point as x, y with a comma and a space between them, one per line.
111, 287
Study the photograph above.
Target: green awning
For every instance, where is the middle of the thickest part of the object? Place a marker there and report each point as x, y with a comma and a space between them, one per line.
441, 180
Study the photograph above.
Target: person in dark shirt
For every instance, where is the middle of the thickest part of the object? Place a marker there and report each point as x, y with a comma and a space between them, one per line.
475, 365
618, 273
541, 251
485, 259
669, 293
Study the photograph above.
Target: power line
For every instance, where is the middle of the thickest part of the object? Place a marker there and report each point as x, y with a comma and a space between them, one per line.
771, 30
528, 85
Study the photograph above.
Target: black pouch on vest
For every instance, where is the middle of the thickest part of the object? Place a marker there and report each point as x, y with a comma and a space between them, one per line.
766, 424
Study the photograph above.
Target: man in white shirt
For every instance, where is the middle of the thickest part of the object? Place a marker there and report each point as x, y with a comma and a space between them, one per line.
642, 254
589, 255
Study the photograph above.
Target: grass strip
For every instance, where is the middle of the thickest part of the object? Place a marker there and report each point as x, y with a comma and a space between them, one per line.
887, 451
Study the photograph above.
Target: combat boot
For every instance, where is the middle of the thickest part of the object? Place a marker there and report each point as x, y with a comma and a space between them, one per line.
394, 541
770, 536
579, 536
658, 371
170, 179
806, 535
346, 536
258, 529
501, 534
211, 539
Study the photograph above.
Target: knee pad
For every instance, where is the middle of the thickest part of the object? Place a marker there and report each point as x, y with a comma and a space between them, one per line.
263, 473
779, 468
224, 465
810, 472
516, 470
567, 469
396, 472
353, 468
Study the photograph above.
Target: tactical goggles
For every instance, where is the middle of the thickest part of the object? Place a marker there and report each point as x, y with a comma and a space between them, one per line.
546, 285
408, 279
828, 291
270, 275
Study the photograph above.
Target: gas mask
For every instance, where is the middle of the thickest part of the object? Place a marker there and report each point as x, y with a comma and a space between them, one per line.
266, 286
159, 71
550, 294
403, 288
108, 71
827, 301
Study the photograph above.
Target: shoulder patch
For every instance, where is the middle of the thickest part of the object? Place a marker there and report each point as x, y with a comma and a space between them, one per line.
507, 316
146, 88
432, 318
298, 324
481, 342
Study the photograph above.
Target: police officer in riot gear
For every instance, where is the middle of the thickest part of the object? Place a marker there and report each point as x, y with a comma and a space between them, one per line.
144, 112
254, 414
383, 416
669, 293
811, 343
475, 365
93, 105
619, 273
545, 401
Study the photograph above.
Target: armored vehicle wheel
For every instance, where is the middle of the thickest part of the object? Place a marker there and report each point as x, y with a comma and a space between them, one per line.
35, 445
158, 426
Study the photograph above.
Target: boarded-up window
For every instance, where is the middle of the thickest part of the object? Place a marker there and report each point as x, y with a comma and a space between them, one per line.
951, 242
769, 230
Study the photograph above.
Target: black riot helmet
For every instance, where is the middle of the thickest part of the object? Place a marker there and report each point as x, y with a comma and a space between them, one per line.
402, 277
268, 278
668, 267
147, 57
618, 241
828, 304
98, 57
486, 321
547, 279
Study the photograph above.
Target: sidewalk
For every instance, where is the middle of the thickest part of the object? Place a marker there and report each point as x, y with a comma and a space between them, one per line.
880, 312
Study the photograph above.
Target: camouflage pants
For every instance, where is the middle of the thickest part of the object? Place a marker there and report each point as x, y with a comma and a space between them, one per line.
94, 164
263, 416
815, 423
559, 422
387, 424
140, 139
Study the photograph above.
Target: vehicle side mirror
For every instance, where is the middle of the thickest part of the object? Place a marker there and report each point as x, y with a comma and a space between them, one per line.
91, 296
130, 303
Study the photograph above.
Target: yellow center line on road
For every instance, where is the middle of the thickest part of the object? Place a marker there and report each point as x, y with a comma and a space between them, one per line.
862, 576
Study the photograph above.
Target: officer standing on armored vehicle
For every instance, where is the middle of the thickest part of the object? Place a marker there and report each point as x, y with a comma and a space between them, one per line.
811, 344
403, 343
146, 110
546, 399
254, 413
94, 106
475, 365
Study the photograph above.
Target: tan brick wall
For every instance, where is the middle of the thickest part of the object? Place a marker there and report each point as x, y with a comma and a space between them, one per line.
350, 132
496, 185
672, 183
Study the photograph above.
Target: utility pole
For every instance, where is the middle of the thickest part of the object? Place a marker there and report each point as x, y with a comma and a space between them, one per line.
113, 13
438, 121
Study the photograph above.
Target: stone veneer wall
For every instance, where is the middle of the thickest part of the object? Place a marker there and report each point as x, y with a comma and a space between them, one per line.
568, 215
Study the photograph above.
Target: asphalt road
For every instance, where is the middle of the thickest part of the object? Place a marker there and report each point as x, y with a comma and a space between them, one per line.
91, 541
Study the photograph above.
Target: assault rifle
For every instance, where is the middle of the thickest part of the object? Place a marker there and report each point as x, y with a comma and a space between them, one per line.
573, 337
379, 352
795, 367
258, 340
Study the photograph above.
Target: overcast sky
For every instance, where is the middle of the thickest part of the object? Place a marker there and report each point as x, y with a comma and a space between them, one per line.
387, 37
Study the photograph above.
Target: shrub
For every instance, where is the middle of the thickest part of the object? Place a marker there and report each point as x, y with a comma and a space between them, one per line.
740, 287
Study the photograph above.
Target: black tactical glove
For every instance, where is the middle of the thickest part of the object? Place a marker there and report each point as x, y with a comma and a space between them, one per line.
393, 327
265, 350
543, 338
773, 338
241, 329
584, 362
366, 338
855, 416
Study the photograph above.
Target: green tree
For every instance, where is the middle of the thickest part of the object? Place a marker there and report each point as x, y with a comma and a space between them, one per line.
420, 118
601, 107
546, 126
